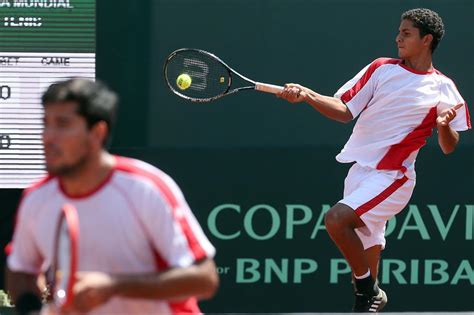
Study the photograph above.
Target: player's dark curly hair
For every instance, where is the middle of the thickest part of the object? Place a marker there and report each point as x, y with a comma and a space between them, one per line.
96, 102
428, 22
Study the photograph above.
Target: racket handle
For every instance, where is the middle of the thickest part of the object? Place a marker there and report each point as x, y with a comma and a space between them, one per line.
268, 88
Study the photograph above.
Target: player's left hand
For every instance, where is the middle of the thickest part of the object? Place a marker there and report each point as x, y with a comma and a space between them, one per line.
447, 115
92, 289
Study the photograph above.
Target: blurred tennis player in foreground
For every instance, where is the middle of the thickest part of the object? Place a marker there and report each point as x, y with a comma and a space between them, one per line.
141, 250
398, 102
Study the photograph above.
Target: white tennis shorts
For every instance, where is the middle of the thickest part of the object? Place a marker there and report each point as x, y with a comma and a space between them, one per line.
375, 196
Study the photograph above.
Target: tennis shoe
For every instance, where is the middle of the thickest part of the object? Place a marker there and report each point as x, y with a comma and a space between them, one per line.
369, 304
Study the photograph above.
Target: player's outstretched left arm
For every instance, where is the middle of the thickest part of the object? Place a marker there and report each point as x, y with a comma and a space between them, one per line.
448, 138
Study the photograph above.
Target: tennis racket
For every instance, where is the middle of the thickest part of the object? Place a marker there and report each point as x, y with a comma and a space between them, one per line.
65, 256
200, 76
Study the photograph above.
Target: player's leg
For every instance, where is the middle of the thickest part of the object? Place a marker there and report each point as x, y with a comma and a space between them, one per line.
373, 302
357, 226
341, 222
373, 258
361, 303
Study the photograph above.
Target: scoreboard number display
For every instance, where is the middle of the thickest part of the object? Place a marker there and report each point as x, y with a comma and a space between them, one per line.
42, 42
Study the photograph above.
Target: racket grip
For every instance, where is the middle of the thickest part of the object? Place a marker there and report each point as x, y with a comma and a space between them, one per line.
268, 88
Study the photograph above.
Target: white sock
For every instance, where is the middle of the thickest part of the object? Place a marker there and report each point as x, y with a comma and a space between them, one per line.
365, 275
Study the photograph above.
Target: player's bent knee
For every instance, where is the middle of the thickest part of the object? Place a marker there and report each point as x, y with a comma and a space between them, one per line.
340, 217
333, 220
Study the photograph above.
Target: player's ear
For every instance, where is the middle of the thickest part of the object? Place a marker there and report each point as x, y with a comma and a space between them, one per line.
99, 132
427, 39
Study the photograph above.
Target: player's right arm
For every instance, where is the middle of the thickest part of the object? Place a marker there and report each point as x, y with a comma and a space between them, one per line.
24, 260
331, 107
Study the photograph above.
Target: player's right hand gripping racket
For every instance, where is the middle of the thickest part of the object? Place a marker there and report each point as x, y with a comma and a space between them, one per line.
65, 258
200, 76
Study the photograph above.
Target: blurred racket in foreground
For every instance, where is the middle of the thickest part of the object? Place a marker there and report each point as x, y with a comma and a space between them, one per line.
62, 275
200, 76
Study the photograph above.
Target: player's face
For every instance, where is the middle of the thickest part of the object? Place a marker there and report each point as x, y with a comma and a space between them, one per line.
66, 138
408, 40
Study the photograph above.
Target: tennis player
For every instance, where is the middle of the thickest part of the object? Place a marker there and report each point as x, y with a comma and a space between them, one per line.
141, 250
398, 102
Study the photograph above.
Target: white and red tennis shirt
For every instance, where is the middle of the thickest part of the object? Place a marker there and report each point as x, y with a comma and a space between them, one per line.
397, 108
137, 221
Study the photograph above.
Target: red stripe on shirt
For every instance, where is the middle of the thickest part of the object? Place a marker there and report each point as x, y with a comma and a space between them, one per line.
127, 165
372, 203
190, 305
349, 94
187, 306
393, 159
89, 193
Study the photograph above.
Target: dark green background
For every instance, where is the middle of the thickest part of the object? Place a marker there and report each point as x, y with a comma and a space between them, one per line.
253, 149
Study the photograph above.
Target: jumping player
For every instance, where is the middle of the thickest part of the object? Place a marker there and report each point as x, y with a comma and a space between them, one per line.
398, 102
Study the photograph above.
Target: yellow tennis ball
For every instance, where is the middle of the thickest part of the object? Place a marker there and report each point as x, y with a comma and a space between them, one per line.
184, 81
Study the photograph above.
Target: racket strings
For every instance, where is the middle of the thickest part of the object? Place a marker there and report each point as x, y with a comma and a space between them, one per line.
209, 77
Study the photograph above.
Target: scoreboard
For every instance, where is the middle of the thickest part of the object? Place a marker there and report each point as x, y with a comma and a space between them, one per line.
41, 42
